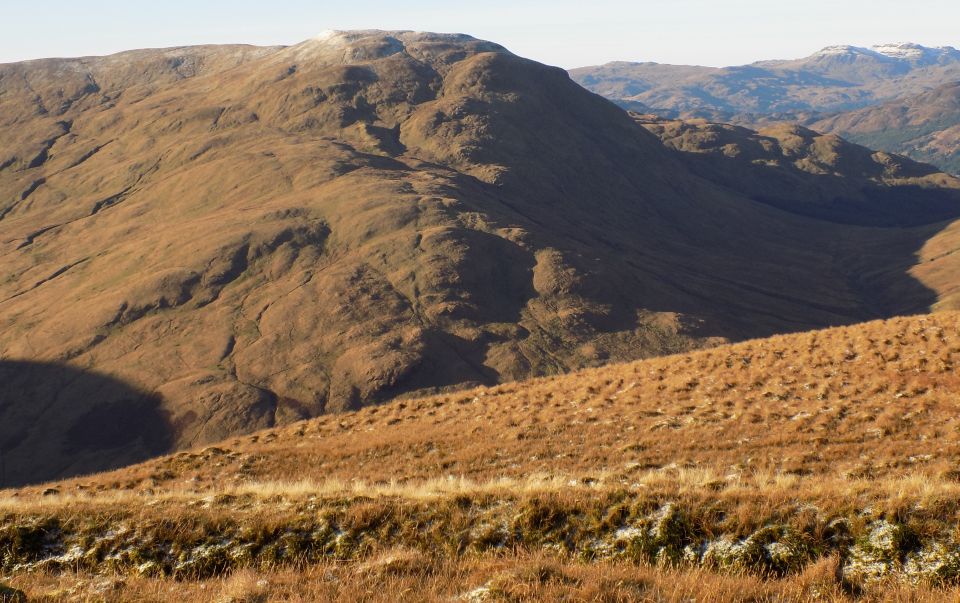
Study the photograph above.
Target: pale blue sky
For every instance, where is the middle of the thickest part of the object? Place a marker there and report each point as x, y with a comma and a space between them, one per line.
560, 32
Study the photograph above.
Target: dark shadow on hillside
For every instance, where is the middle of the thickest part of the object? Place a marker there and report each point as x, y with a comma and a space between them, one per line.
853, 201
57, 421
874, 233
785, 251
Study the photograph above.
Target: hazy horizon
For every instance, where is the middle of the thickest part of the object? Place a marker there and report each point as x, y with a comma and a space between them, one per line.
564, 33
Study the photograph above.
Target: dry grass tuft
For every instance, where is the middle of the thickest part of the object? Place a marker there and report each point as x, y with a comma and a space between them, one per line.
397, 562
245, 586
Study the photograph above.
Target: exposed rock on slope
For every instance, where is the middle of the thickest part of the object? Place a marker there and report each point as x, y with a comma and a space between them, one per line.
253, 236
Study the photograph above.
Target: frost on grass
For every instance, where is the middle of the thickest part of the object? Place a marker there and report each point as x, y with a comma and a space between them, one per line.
877, 554
890, 550
477, 595
619, 529
775, 549
935, 564
660, 536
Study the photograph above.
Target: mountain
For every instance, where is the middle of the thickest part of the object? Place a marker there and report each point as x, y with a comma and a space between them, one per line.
925, 126
796, 467
202, 242
836, 78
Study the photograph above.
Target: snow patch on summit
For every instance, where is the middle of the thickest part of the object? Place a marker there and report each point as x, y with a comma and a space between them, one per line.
332, 37
904, 50
913, 52
839, 49
901, 51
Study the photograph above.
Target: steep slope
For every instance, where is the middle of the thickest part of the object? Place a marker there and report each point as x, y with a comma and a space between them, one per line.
836, 78
925, 127
271, 234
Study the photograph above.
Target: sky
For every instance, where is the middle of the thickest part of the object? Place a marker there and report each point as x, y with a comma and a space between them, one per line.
558, 32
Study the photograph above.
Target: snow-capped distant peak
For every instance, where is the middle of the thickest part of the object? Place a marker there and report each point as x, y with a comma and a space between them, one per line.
903, 50
913, 52
332, 37
839, 49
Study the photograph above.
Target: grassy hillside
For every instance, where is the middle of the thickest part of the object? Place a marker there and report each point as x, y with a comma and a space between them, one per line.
819, 465
202, 242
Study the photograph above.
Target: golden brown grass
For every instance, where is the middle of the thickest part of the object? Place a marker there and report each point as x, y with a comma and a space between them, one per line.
856, 425
872, 401
400, 576
745, 493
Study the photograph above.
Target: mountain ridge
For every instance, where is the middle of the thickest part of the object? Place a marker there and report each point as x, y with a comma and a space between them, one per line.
836, 78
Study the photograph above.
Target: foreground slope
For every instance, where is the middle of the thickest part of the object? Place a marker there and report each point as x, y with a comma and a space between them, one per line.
874, 400
821, 462
203, 242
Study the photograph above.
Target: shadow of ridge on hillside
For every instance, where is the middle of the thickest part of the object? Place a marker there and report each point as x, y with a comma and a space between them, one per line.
57, 421
873, 235
875, 266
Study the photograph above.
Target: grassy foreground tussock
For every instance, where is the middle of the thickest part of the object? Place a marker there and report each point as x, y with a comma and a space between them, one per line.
748, 531
404, 575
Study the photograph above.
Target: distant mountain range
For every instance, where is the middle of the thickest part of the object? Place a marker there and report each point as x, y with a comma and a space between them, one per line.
910, 81
925, 126
837, 78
